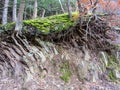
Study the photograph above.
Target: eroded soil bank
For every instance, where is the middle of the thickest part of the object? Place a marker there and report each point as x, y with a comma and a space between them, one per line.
53, 67
80, 58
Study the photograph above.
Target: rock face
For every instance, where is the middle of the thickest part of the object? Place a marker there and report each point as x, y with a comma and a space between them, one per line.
52, 67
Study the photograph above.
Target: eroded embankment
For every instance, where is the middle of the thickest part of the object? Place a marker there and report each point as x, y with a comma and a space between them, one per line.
52, 67
81, 57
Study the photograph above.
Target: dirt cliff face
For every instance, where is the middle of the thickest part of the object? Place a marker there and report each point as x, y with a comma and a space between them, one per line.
52, 67
84, 57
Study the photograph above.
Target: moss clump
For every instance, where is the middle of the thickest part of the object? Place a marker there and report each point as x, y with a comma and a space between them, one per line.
9, 26
44, 25
112, 65
50, 24
112, 76
112, 62
66, 74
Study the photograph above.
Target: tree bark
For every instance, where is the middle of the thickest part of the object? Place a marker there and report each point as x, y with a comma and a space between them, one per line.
35, 9
61, 6
43, 13
5, 12
79, 6
14, 16
19, 20
69, 9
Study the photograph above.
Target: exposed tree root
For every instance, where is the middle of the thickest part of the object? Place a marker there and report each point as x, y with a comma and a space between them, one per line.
16, 42
91, 33
23, 41
25, 62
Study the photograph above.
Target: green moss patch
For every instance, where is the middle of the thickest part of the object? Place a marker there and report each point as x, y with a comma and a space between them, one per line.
113, 65
66, 74
9, 26
45, 25
50, 24
112, 62
112, 76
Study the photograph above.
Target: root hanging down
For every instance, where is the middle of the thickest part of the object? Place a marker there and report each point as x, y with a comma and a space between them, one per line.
32, 61
91, 33
16, 41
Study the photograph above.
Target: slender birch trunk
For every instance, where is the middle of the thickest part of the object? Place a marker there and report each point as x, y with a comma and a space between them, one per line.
35, 9
19, 20
69, 9
43, 13
79, 7
14, 13
61, 6
5, 12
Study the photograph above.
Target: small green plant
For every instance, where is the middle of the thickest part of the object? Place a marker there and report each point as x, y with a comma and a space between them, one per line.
112, 76
112, 65
66, 74
112, 62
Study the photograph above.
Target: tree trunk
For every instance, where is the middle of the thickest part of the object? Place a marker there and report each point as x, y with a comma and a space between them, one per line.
61, 6
43, 13
18, 26
35, 9
94, 7
14, 11
79, 6
69, 9
5, 12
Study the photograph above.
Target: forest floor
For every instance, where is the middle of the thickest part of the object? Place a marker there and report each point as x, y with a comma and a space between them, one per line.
52, 83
